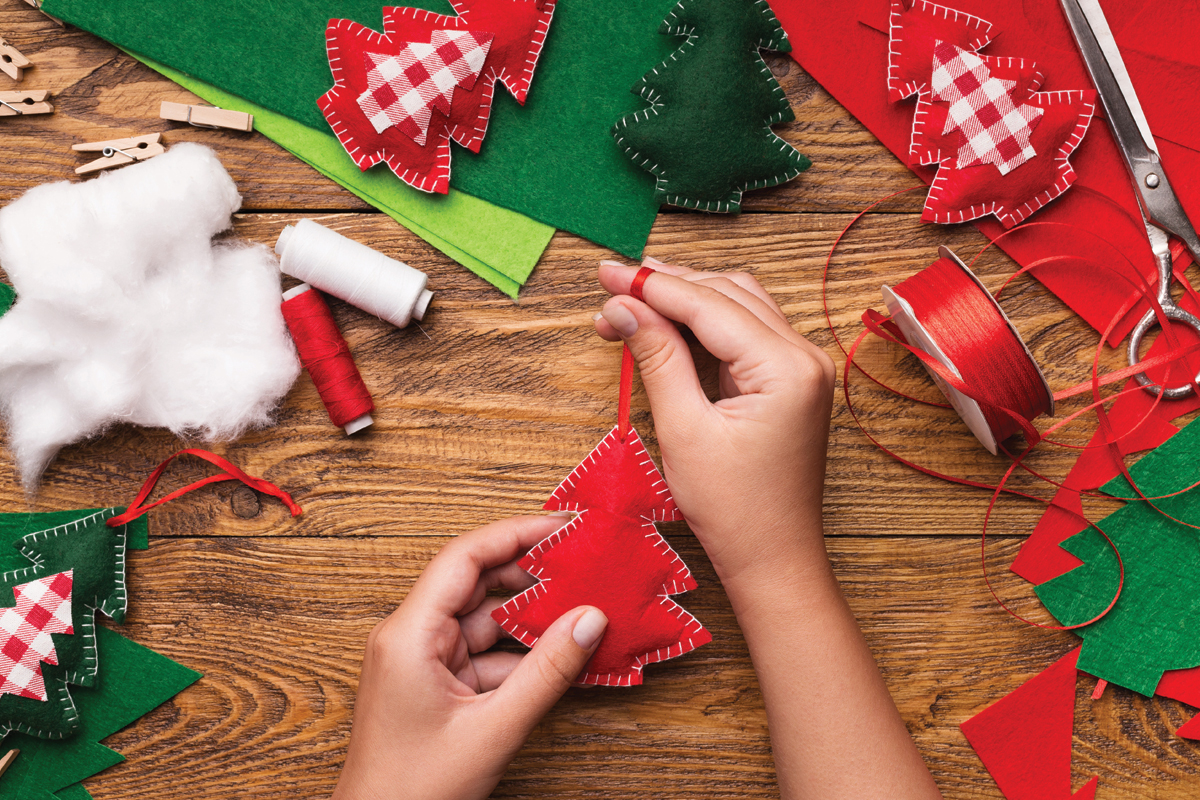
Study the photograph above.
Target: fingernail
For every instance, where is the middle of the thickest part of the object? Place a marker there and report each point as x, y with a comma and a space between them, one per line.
589, 628
598, 316
610, 263
652, 262
560, 514
621, 318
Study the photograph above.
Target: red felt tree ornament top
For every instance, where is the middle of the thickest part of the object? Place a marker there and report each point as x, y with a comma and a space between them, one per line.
612, 557
401, 96
1001, 145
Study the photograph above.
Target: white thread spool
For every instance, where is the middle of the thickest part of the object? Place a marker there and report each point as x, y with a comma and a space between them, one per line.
344, 268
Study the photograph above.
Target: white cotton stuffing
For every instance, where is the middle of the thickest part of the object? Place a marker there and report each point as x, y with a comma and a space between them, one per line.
128, 312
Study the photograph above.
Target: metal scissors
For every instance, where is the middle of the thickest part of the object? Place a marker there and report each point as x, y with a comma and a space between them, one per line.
1161, 210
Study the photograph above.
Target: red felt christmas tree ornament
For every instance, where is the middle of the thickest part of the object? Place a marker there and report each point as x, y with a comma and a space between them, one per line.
612, 557
401, 96
1001, 146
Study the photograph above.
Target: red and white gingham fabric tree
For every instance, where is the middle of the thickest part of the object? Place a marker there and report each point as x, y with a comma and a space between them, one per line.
400, 97
43, 607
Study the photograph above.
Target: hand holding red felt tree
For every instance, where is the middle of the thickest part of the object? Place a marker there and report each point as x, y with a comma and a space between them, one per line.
612, 557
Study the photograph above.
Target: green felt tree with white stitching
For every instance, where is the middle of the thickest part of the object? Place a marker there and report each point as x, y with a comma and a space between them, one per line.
95, 555
707, 134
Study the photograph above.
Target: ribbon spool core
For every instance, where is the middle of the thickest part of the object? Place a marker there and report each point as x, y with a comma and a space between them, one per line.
919, 336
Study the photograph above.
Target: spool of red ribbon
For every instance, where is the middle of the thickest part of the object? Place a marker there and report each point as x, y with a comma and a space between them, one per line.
945, 311
326, 356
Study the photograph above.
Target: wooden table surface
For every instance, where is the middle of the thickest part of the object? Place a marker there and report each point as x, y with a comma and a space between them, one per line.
483, 417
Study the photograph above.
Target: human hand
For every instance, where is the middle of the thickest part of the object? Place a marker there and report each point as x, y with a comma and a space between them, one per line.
437, 716
748, 470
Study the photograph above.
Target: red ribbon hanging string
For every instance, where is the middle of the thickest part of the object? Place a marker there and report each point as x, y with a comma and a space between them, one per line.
230, 473
626, 390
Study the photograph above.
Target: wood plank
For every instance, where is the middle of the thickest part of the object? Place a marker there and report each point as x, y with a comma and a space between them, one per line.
101, 93
484, 415
278, 627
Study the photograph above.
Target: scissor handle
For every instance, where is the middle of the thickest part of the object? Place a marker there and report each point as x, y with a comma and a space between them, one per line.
1170, 311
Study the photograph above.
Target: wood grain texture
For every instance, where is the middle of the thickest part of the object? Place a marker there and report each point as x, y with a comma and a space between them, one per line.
484, 412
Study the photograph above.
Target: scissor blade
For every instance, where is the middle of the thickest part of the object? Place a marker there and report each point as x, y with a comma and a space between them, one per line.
1107, 68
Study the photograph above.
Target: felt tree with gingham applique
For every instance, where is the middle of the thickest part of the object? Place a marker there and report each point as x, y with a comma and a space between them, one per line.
706, 136
401, 96
611, 556
48, 634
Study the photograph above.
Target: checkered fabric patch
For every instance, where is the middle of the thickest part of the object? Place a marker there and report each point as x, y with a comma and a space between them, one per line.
43, 607
403, 90
995, 129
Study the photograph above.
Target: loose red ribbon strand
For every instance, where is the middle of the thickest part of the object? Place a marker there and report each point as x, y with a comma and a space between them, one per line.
229, 473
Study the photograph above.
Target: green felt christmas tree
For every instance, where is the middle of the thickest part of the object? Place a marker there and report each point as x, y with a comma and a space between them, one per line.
133, 681
707, 134
1155, 624
90, 556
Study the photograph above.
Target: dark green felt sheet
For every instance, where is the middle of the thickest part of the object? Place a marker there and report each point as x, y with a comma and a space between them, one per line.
553, 160
1155, 625
132, 681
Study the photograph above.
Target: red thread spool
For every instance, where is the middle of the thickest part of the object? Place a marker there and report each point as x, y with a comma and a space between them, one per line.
946, 311
326, 356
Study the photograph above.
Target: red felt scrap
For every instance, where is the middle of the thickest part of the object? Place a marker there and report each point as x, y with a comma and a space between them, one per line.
611, 557
1105, 224
1024, 739
401, 96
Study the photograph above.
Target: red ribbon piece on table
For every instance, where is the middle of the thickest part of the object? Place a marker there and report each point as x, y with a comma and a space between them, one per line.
230, 473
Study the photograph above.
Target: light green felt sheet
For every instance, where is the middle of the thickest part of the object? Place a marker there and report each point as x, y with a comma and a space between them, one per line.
498, 245
132, 681
1155, 625
553, 160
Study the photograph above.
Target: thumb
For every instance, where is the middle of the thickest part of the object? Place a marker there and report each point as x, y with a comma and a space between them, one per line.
549, 669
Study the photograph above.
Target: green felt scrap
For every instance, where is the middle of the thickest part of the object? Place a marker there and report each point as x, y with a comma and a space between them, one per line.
7, 296
1155, 625
706, 136
553, 159
498, 245
134, 681
96, 554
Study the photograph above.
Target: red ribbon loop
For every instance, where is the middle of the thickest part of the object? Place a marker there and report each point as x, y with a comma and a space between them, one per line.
639, 280
230, 473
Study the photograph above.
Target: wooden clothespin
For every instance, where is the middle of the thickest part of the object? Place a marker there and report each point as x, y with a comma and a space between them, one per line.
12, 63
207, 116
24, 104
119, 152
8, 759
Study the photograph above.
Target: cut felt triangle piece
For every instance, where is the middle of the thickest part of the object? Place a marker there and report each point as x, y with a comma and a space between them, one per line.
611, 557
1024, 739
